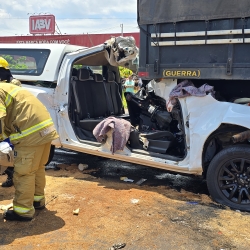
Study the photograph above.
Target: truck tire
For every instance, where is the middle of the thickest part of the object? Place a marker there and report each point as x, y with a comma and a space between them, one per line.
228, 177
51, 154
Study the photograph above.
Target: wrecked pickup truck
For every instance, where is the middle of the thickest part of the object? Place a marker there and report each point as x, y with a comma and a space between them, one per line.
81, 87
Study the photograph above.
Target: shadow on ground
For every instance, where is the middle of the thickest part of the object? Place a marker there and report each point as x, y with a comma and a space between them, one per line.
47, 221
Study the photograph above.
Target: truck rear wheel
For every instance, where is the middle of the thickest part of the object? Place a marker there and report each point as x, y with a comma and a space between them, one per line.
228, 177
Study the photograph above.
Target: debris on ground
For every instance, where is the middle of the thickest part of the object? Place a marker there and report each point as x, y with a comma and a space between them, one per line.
117, 246
52, 166
134, 201
6, 207
53, 198
62, 166
140, 181
82, 167
145, 217
126, 179
76, 212
192, 202
161, 215
72, 167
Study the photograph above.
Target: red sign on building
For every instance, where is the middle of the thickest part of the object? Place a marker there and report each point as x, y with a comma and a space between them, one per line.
42, 24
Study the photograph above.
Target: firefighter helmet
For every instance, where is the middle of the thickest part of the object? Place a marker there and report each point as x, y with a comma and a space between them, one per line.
3, 63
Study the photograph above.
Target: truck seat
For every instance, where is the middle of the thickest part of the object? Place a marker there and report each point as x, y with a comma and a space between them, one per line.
82, 90
115, 97
93, 104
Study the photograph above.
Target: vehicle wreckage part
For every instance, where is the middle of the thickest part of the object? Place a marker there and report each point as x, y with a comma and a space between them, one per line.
228, 177
157, 141
122, 50
241, 136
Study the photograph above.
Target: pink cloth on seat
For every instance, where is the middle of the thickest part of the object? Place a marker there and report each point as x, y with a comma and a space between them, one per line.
187, 88
121, 132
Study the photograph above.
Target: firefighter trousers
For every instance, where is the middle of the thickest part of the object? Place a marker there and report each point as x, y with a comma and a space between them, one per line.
29, 177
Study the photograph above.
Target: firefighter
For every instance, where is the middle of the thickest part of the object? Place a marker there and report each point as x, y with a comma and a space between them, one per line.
6, 76
28, 125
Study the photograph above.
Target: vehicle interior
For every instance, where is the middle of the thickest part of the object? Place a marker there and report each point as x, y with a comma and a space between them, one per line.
97, 94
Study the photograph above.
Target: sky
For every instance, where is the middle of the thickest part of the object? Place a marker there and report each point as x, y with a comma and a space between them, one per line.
72, 16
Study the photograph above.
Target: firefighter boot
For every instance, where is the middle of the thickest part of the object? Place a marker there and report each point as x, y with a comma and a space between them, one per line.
37, 205
11, 215
9, 182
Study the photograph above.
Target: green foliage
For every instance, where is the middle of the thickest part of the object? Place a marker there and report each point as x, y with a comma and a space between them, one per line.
79, 66
124, 72
18, 63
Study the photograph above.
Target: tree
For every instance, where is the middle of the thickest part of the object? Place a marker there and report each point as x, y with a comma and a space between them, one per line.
18, 63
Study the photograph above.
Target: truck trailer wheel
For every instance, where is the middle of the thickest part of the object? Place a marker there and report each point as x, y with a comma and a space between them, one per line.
51, 154
228, 177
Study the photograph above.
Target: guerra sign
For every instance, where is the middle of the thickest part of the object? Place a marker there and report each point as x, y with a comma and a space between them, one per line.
42, 24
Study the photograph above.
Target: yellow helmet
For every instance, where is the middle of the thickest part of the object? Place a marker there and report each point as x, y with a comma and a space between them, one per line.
3, 63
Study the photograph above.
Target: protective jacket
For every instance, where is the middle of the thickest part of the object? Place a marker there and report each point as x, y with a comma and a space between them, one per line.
24, 119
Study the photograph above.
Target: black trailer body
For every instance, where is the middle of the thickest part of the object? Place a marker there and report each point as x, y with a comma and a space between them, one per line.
194, 39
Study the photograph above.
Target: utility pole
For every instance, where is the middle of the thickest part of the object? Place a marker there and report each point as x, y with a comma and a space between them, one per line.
121, 25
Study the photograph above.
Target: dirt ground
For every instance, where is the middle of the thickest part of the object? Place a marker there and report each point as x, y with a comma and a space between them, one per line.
112, 211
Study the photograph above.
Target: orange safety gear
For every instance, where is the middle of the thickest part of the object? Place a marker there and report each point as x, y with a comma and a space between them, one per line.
28, 124
3, 63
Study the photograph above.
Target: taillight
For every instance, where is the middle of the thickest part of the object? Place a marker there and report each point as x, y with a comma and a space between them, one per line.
143, 74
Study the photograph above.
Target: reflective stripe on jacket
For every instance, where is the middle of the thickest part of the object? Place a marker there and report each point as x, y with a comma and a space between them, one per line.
24, 116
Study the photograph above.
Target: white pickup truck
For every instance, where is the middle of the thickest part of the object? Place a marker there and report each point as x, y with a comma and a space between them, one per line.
81, 87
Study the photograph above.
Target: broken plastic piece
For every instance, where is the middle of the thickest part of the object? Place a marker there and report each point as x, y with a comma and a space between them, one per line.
82, 167
76, 212
117, 246
134, 201
140, 181
126, 179
193, 202
52, 166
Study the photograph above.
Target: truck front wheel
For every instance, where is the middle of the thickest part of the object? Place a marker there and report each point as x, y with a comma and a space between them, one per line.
228, 177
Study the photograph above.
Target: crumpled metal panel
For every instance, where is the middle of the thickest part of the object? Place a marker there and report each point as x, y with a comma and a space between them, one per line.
205, 115
122, 51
